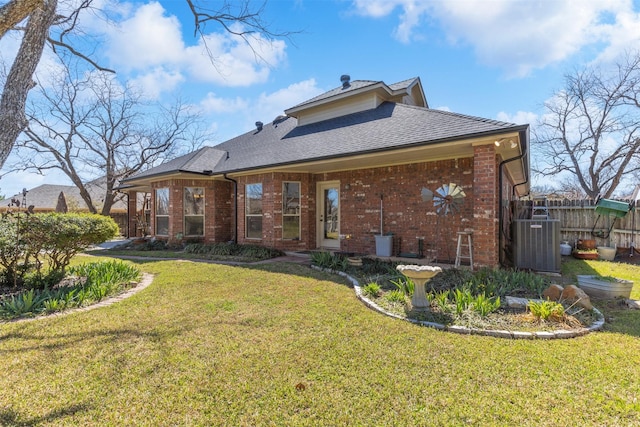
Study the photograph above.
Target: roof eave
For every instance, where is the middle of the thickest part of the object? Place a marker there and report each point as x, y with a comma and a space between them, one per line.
484, 134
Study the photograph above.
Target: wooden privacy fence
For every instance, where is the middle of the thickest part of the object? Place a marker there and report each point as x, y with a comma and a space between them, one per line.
578, 218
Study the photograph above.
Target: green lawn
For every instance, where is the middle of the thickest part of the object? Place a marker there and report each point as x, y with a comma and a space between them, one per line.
280, 344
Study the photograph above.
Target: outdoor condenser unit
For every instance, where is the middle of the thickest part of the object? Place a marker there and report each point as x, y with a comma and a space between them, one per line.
536, 244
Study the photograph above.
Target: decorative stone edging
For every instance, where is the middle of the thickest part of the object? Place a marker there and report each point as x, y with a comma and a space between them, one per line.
595, 326
144, 282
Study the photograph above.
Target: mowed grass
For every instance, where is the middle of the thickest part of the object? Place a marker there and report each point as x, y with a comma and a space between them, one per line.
280, 344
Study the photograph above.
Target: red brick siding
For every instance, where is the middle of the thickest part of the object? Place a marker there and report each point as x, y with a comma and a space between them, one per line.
486, 205
406, 215
218, 213
272, 210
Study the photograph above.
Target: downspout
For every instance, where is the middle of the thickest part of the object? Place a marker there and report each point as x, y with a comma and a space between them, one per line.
235, 206
500, 219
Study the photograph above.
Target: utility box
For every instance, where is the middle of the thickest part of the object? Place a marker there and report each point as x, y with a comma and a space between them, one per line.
536, 244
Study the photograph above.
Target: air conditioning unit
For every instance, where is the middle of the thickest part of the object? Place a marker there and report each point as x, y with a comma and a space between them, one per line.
536, 244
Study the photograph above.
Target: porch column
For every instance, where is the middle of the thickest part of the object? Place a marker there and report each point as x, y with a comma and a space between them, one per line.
485, 205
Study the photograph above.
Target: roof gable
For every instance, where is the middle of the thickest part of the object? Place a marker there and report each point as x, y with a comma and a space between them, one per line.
356, 96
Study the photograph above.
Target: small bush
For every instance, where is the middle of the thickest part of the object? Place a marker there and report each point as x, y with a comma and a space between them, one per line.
30, 242
253, 252
106, 273
330, 261
547, 310
371, 290
395, 296
404, 285
484, 305
96, 281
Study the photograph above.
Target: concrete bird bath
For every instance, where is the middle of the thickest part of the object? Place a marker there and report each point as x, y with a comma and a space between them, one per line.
420, 275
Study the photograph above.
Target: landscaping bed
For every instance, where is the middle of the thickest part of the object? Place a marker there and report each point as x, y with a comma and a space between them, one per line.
466, 301
225, 252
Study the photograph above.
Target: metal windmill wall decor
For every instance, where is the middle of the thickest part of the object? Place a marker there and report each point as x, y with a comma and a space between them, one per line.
447, 199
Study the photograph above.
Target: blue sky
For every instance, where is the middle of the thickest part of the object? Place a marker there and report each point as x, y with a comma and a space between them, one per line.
497, 59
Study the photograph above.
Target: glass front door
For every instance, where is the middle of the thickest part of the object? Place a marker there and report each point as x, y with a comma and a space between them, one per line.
329, 215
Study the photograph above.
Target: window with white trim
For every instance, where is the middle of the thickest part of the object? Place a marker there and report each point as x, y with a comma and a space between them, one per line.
291, 210
162, 212
253, 211
193, 211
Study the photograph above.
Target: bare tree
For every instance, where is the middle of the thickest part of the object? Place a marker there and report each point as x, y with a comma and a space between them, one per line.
44, 25
20, 78
98, 132
591, 129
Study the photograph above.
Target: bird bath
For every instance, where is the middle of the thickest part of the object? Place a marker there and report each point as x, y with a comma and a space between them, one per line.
420, 275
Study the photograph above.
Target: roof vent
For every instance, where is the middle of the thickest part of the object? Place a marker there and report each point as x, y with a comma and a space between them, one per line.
259, 126
345, 78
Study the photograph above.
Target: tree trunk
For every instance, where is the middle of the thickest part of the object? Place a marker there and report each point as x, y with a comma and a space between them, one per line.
12, 13
20, 78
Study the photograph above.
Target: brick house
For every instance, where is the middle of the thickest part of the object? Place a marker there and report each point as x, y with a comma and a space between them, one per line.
322, 175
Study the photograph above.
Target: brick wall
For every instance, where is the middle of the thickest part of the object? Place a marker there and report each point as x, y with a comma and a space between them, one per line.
272, 210
485, 205
405, 214
218, 210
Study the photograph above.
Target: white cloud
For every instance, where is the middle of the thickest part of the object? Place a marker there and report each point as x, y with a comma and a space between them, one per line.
518, 36
156, 81
149, 38
270, 105
241, 114
146, 39
228, 60
213, 104
519, 118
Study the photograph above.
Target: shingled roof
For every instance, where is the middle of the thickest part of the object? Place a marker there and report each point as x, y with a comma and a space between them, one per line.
45, 197
390, 126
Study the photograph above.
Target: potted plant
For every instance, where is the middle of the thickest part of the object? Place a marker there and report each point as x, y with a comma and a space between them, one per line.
585, 253
606, 253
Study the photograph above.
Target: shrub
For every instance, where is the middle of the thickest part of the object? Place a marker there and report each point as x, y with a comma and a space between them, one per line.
97, 280
106, 273
395, 296
30, 242
484, 305
329, 261
547, 310
254, 252
371, 290
404, 285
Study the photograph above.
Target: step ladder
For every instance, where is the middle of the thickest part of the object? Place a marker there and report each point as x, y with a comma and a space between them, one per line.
540, 209
465, 244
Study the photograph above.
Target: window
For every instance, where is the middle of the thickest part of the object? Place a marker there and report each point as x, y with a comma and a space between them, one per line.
253, 211
193, 211
162, 212
291, 210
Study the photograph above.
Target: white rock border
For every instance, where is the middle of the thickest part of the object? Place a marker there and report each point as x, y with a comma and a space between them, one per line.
545, 335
